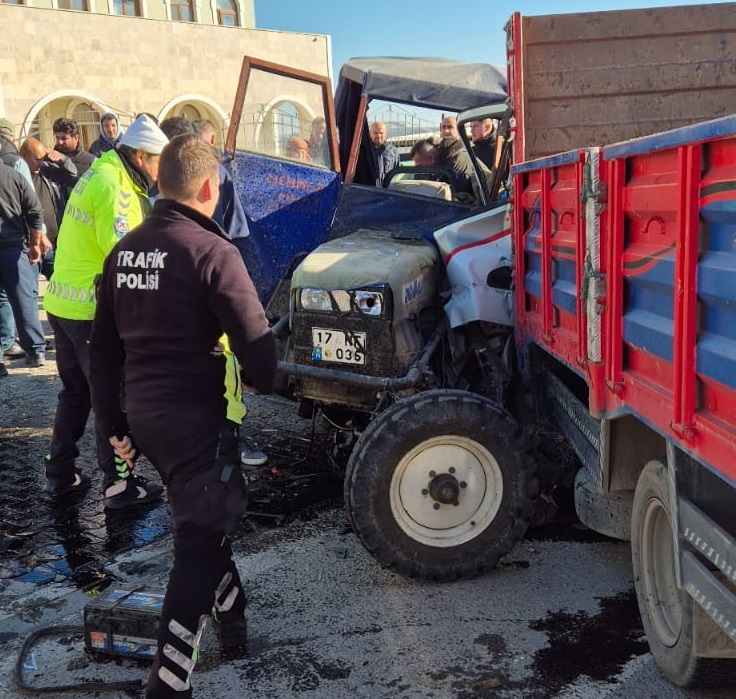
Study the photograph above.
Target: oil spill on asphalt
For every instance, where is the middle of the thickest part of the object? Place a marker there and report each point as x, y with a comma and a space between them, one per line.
597, 646
281, 494
578, 644
76, 539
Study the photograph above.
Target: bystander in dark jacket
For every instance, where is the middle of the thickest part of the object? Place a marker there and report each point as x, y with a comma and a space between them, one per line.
453, 155
54, 174
21, 219
386, 155
66, 135
481, 133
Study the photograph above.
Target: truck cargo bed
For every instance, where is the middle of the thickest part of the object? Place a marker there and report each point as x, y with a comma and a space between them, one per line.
603, 77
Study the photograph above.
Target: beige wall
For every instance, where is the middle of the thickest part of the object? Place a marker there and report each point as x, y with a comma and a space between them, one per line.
51, 60
205, 11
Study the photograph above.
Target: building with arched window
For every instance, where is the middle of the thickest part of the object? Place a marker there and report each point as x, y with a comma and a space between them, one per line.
80, 58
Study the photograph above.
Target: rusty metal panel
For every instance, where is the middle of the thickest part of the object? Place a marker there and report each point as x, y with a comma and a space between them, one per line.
602, 77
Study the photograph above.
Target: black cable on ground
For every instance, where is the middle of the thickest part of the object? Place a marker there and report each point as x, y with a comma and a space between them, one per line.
132, 686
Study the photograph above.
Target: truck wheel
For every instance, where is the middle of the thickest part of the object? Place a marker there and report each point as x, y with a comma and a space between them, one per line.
667, 612
440, 485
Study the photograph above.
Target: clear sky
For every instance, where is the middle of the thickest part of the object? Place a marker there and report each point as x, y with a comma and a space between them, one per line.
469, 30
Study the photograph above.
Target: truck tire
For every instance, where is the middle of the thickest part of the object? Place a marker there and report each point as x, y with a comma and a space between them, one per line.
441, 485
667, 612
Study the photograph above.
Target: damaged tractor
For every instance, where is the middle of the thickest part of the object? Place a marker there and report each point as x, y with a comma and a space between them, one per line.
393, 312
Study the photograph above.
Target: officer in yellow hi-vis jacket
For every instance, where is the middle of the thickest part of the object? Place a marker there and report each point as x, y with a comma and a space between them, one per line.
109, 200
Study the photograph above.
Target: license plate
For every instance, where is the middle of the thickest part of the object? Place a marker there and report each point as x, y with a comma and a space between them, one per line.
338, 346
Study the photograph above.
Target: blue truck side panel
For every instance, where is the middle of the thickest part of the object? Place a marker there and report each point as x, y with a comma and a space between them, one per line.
716, 355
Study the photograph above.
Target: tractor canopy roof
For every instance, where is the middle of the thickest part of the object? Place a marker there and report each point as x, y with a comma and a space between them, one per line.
434, 83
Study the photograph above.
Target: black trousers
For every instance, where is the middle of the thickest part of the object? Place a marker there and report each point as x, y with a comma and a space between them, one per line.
71, 338
198, 460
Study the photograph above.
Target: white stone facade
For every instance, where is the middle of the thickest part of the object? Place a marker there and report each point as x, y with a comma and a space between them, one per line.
60, 63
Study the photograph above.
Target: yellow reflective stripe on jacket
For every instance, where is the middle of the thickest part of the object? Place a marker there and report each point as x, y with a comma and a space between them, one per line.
72, 293
235, 408
104, 205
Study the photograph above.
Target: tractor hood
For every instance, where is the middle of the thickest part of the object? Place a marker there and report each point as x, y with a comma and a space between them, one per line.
370, 259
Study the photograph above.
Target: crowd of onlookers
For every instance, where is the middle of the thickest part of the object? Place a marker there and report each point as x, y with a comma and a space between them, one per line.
51, 173
446, 152
437, 158
35, 183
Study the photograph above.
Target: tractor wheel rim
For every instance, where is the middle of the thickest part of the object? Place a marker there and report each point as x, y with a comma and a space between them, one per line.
426, 481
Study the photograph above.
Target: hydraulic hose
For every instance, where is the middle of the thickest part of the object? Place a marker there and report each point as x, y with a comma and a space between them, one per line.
134, 687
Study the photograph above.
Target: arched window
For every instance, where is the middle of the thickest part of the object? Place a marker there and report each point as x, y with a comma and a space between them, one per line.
88, 120
227, 13
181, 10
78, 5
286, 121
190, 112
34, 130
129, 8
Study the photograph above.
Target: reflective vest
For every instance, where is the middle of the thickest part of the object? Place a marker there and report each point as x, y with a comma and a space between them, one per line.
103, 206
235, 409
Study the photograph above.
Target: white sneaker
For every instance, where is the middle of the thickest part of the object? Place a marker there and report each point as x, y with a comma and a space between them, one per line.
251, 455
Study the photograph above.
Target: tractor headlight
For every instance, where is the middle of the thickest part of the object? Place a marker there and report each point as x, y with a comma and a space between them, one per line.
373, 302
315, 300
369, 303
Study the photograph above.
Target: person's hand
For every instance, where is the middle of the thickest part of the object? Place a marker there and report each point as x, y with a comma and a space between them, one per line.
46, 244
54, 156
125, 449
34, 254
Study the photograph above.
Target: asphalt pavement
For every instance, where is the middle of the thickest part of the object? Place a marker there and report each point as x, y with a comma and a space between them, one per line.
556, 619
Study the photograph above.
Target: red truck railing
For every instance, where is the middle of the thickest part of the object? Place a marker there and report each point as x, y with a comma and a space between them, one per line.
665, 208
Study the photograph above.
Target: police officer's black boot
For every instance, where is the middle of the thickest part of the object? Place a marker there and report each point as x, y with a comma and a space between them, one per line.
228, 615
232, 632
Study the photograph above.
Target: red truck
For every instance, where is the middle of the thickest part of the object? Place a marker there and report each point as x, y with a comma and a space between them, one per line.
625, 262
587, 285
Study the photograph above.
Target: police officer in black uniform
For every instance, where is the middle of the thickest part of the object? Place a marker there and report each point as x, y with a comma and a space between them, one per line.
178, 313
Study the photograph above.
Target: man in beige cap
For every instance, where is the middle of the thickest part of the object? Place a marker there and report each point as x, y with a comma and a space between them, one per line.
7, 130
9, 153
108, 201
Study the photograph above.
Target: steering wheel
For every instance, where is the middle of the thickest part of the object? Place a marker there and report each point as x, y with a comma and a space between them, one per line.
434, 173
